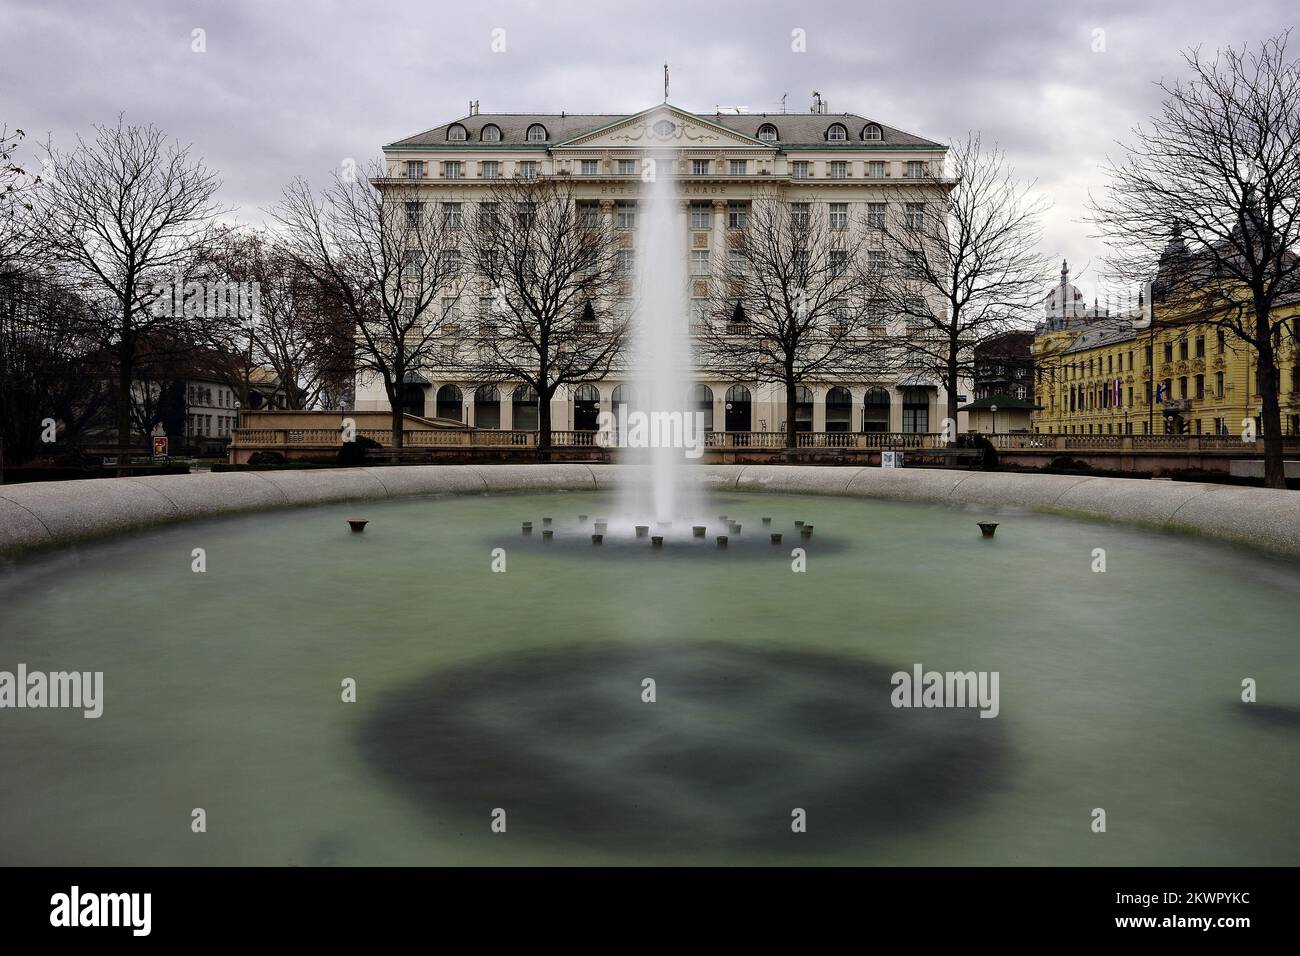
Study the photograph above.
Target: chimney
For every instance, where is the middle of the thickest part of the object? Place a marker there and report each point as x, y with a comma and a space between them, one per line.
473, 107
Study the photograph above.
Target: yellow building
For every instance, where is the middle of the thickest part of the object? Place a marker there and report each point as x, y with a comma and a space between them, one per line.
1102, 374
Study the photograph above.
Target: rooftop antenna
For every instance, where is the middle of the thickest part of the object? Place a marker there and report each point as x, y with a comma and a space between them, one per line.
783, 96
665, 82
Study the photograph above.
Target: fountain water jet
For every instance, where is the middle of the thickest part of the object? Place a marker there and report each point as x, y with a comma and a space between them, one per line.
661, 359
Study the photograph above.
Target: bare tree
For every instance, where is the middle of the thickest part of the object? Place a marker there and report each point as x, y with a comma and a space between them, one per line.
15, 200
388, 261
291, 333
959, 261
787, 304
48, 367
1207, 199
125, 215
551, 271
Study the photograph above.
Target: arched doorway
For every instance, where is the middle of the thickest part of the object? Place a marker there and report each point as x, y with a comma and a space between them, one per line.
413, 398
487, 407
701, 400
839, 410
449, 403
875, 410
523, 408
739, 409
803, 408
586, 408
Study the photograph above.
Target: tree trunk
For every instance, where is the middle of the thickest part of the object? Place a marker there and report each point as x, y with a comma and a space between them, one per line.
122, 404
950, 383
543, 427
1270, 416
791, 426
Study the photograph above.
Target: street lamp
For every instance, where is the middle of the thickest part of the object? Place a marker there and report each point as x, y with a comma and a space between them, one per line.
994, 410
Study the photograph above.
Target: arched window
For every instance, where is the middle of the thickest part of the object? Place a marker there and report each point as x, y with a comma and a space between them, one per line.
839, 410
523, 408
836, 133
701, 400
586, 408
537, 133
916, 409
871, 133
413, 397
456, 133
449, 403
768, 134
739, 407
491, 133
803, 408
875, 410
487, 407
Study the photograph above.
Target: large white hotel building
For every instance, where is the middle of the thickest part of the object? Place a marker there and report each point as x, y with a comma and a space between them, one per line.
855, 165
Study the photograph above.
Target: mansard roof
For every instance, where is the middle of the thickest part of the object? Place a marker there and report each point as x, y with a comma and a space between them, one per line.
794, 130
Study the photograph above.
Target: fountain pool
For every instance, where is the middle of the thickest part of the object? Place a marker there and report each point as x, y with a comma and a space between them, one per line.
522, 690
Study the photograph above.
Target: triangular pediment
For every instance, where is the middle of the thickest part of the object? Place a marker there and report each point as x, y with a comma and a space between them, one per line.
663, 127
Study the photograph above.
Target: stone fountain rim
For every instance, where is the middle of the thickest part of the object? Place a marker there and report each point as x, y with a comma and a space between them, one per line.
42, 515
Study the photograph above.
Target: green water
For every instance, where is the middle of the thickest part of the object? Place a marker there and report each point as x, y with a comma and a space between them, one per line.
522, 690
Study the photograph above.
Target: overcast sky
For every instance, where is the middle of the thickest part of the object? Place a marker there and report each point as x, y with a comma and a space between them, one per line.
295, 89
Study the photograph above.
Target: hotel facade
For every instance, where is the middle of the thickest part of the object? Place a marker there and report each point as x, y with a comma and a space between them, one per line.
855, 167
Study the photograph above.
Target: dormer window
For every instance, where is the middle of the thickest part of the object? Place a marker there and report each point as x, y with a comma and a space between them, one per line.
837, 133
456, 133
491, 134
768, 134
871, 133
537, 133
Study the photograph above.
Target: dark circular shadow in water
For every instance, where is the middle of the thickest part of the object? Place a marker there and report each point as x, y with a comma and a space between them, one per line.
737, 739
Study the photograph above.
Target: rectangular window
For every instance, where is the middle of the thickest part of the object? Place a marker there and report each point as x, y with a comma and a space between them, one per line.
915, 215
453, 216
699, 167
915, 169
799, 169
875, 259
876, 215
738, 167
627, 167
839, 215
489, 169
414, 212
528, 169
623, 262
737, 215
839, 261
1182, 349
699, 262
590, 167
1221, 340
451, 169
415, 169
1200, 346
1200, 387
839, 169
625, 215
800, 215
588, 214
1169, 351
699, 215
876, 169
